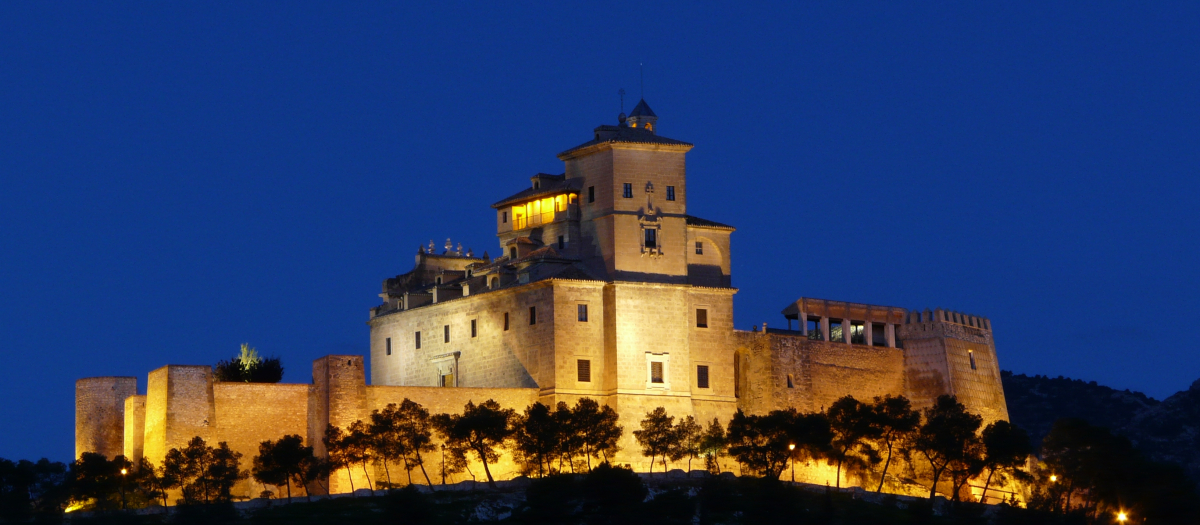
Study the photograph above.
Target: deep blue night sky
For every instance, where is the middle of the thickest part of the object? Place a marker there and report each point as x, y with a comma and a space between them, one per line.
176, 179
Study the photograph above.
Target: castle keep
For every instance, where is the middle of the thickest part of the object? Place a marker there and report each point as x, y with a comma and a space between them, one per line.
605, 286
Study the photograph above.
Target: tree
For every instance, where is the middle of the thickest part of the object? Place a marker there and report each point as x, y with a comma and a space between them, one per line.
357, 444
385, 440
570, 440
712, 445
598, 429
337, 452
947, 436
690, 435
249, 367
96, 481
760, 443
657, 436
282, 462
894, 421
483, 429
205, 474
415, 434
1005, 449
535, 438
851, 423
155, 482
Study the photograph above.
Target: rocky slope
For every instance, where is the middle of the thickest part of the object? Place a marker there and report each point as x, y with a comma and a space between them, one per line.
1167, 430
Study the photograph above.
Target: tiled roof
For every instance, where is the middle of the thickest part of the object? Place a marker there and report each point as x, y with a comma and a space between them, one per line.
642, 109
625, 135
705, 223
548, 187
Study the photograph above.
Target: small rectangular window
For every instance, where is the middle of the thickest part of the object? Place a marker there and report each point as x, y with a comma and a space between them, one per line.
504, 217
670, 193
389, 346
418, 340
701, 318
512, 252
473, 332
584, 370
878, 334
651, 237
628, 191
656, 372
789, 381
591, 194
561, 242
971, 354
581, 310
699, 248
506, 321
836, 334
702, 376
446, 333
532, 315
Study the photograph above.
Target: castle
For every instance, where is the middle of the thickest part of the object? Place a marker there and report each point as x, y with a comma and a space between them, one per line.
606, 287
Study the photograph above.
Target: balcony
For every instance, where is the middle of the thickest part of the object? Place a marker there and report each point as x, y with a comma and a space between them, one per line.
522, 222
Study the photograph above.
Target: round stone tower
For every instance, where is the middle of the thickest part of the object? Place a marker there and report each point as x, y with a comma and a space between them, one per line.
100, 414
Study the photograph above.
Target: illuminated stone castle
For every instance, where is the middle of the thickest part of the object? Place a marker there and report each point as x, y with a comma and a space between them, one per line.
605, 287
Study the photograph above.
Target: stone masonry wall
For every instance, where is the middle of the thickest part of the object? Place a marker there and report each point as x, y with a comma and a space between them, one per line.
135, 427
100, 414
821, 372
179, 406
249, 413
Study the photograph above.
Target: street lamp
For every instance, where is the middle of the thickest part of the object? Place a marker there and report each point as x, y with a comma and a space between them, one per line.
123, 473
1121, 517
1053, 478
792, 459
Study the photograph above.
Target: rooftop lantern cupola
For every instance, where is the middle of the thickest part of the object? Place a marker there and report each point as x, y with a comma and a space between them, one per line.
643, 117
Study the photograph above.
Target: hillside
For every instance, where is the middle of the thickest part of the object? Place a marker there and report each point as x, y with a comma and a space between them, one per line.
1167, 430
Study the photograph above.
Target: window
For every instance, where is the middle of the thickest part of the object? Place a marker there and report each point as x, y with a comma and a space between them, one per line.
701, 318
389, 346
439, 280
512, 252
971, 354
656, 372
446, 333
581, 310
878, 334
789, 381
699, 248
814, 329
418, 340
473, 332
858, 333
835, 331
504, 217
532, 315
561, 242
651, 237
702, 376
506, 321
495, 282
670, 193
628, 191
583, 368
591, 194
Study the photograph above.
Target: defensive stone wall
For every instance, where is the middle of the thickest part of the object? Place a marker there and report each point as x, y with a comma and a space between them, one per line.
179, 406
249, 413
100, 414
953, 353
789, 370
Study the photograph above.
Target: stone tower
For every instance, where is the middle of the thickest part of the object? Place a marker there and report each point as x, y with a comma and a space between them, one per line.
952, 353
100, 414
